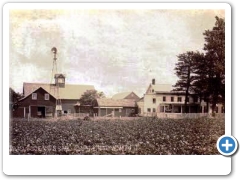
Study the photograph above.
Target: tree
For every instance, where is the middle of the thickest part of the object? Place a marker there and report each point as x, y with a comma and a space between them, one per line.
184, 70
215, 56
90, 95
14, 98
200, 85
204, 74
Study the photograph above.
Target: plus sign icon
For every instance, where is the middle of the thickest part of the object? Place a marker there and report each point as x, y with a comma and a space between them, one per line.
227, 145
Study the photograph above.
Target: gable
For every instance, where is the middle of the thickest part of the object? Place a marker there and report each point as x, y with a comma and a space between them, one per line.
149, 89
40, 90
125, 95
132, 95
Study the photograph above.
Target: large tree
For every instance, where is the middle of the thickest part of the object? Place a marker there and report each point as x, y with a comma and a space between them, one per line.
215, 55
184, 70
204, 74
90, 95
200, 85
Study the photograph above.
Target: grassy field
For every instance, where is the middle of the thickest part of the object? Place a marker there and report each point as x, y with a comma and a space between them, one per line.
139, 136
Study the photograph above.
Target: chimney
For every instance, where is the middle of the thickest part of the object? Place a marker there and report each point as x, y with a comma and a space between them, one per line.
153, 81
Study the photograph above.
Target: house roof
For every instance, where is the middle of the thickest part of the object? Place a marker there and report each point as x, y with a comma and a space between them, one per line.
70, 91
141, 99
108, 102
162, 87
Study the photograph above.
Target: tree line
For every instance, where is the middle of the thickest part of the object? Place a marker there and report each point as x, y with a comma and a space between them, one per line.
203, 73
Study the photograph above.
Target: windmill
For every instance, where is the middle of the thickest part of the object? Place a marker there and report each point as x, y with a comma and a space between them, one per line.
54, 88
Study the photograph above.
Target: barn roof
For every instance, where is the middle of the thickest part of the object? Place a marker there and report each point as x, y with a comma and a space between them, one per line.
141, 99
124, 95
121, 95
108, 102
70, 91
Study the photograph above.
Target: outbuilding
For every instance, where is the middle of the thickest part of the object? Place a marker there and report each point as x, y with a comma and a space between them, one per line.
114, 107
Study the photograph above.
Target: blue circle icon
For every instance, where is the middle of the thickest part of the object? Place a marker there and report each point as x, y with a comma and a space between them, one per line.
227, 145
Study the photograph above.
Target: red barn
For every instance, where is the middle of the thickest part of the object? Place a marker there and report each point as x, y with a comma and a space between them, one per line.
40, 99
37, 104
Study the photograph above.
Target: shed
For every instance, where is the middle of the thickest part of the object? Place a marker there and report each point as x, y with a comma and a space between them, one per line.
114, 107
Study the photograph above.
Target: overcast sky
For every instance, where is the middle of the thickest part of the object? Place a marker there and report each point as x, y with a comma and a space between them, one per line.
114, 50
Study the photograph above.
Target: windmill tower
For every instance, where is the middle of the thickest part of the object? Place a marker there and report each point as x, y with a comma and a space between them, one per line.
59, 80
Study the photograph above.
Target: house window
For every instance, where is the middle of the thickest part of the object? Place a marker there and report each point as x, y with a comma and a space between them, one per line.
154, 100
179, 99
46, 96
164, 98
216, 109
172, 99
148, 109
120, 110
154, 110
34, 96
187, 99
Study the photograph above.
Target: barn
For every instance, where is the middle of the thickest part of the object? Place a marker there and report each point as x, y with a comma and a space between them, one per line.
37, 104
40, 98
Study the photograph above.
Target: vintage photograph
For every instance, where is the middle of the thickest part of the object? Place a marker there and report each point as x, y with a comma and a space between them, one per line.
116, 81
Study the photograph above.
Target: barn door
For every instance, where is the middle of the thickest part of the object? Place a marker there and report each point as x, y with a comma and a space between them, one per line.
41, 111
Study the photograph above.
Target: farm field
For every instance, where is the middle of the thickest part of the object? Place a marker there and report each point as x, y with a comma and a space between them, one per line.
144, 136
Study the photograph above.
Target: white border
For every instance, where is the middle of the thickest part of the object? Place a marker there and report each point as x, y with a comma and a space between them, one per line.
114, 165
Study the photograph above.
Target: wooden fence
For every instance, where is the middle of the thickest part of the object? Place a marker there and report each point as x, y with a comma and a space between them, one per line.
183, 115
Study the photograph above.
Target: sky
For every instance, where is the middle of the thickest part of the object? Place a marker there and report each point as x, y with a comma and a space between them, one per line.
114, 50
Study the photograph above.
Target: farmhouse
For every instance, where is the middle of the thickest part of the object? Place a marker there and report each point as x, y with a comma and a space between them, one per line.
40, 99
160, 98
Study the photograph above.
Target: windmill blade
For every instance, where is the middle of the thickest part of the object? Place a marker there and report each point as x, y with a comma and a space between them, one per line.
54, 50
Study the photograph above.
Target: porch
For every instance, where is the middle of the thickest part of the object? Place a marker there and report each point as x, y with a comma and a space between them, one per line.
178, 108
